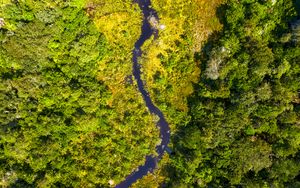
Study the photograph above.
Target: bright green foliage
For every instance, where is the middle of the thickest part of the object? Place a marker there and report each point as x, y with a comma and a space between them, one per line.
245, 111
57, 127
71, 115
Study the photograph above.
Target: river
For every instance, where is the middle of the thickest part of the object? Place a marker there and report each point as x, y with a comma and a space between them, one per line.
162, 124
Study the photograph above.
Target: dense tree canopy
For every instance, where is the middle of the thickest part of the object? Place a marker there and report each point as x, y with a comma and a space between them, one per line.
61, 123
245, 110
225, 73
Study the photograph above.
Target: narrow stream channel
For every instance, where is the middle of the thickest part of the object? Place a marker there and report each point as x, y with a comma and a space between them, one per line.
151, 161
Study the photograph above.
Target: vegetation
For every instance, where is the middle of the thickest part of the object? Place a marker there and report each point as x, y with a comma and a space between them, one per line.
225, 73
245, 111
68, 116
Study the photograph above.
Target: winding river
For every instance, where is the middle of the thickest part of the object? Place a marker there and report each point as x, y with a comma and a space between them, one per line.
147, 32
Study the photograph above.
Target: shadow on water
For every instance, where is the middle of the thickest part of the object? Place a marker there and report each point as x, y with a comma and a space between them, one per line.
151, 161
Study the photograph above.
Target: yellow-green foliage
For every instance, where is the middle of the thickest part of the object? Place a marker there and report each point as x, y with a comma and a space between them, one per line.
120, 22
168, 64
4, 2
205, 21
63, 86
155, 179
244, 128
167, 74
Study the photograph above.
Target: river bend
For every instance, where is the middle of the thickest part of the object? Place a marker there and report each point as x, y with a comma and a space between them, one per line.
147, 32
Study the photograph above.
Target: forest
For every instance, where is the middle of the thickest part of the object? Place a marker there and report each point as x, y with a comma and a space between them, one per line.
225, 74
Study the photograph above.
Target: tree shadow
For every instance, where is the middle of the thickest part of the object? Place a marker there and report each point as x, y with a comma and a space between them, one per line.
180, 151
297, 6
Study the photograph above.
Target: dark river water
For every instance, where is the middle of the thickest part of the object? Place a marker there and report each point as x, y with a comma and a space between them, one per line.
162, 124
